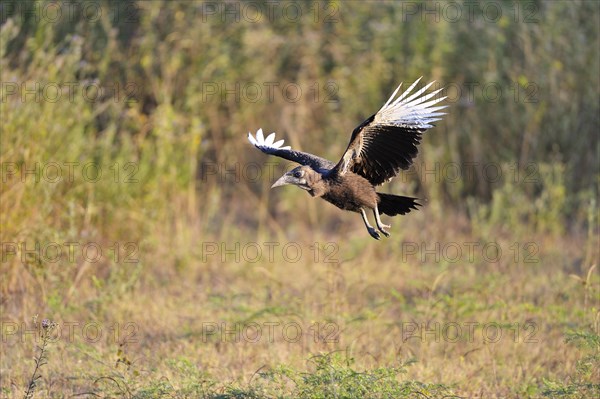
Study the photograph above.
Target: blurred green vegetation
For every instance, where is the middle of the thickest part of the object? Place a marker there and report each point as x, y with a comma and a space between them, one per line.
159, 96
522, 84
523, 103
523, 91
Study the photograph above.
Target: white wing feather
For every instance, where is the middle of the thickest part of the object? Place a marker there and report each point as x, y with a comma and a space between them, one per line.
413, 111
269, 142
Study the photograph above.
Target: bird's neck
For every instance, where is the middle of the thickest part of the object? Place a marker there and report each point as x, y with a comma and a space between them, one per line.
317, 183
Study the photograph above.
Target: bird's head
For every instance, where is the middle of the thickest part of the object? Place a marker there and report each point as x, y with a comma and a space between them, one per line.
300, 176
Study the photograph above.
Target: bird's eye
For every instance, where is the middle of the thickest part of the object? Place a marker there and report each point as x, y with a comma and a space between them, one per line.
298, 174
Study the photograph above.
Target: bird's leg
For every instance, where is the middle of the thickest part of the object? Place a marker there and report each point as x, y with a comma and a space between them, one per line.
379, 224
370, 228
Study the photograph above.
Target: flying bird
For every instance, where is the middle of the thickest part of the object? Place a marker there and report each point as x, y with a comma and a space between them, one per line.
379, 148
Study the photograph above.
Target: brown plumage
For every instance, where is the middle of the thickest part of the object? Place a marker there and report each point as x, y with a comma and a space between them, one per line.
379, 148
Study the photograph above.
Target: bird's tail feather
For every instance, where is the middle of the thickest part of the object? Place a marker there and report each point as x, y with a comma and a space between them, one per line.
393, 205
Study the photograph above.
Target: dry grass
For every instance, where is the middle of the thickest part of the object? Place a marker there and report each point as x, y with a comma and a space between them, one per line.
371, 306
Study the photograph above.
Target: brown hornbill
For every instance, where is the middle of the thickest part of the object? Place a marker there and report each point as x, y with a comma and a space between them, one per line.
379, 148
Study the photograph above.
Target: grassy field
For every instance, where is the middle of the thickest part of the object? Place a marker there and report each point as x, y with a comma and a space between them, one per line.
144, 256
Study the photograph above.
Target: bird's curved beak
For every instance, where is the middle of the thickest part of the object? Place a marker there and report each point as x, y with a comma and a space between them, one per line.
283, 180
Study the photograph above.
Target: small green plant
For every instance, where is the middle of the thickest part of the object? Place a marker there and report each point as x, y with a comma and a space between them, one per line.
584, 384
335, 376
45, 329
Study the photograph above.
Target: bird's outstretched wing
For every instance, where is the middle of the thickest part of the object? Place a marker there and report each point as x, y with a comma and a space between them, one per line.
387, 141
270, 146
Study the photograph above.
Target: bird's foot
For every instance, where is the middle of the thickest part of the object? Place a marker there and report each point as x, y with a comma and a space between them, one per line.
373, 233
382, 228
385, 233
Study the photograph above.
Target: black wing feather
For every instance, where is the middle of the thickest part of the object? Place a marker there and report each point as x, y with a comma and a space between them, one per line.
275, 148
387, 141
